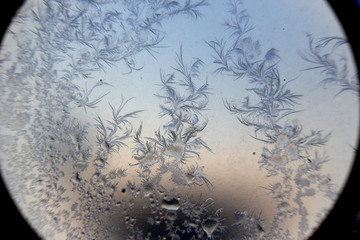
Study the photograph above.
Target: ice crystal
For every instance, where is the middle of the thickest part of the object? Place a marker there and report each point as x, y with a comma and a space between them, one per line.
323, 54
57, 55
183, 101
111, 136
272, 103
82, 98
81, 171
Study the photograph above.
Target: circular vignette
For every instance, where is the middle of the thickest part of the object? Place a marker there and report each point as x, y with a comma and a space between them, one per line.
13, 223
343, 220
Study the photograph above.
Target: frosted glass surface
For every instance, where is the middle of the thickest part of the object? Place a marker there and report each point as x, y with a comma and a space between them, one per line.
186, 119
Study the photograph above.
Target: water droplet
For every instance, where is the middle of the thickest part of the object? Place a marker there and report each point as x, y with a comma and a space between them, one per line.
172, 205
209, 226
171, 215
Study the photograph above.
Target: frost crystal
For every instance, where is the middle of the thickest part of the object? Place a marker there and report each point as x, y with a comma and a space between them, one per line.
83, 159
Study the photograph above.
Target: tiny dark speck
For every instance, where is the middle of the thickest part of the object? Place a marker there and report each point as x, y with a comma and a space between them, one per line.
123, 190
254, 153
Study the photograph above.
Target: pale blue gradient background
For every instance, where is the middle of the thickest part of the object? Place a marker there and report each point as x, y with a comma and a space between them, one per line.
232, 168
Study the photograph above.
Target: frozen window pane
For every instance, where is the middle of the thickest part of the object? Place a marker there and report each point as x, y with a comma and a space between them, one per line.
186, 119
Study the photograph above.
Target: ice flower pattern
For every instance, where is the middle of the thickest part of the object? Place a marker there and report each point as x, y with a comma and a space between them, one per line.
288, 152
82, 165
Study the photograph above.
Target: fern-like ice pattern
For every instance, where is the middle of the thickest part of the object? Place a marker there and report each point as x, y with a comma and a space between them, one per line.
173, 150
64, 142
323, 54
289, 153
